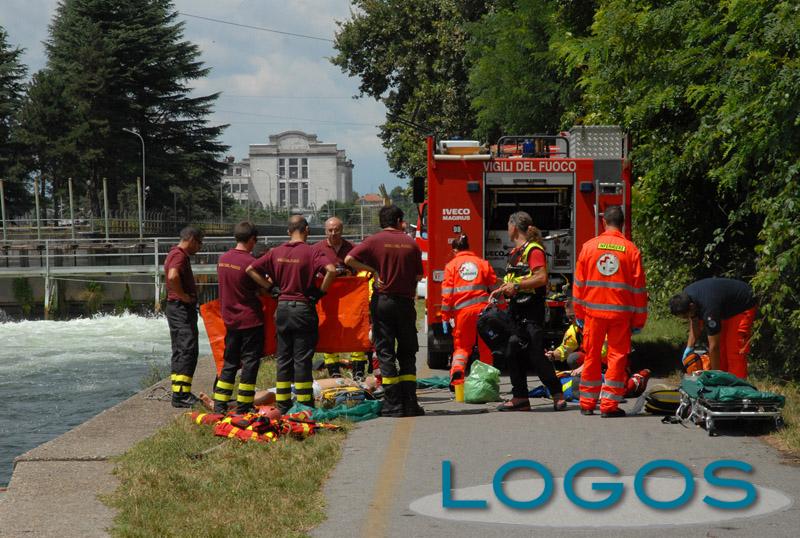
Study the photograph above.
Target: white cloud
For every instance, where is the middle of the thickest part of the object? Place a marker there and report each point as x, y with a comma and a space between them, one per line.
252, 62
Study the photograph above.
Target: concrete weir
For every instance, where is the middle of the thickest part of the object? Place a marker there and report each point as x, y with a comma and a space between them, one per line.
54, 488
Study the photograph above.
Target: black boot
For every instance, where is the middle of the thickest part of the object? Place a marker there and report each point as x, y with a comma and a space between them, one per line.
333, 370
411, 407
359, 369
184, 400
243, 409
392, 401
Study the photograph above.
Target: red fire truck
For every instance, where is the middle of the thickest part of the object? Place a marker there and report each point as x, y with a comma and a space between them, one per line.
563, 181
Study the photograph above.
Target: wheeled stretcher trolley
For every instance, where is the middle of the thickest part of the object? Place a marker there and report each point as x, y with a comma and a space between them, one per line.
710, 396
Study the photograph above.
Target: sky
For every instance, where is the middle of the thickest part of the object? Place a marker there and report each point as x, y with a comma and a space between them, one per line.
269, 82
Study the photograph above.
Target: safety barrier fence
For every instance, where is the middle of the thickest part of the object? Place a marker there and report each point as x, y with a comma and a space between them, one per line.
113, 261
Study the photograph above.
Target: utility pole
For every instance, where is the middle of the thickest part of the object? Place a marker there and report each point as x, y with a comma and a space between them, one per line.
71, 207
105, 204
36, 196
3, 206
139, 204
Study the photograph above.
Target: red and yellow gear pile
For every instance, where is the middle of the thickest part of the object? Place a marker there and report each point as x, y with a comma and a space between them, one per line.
259, 428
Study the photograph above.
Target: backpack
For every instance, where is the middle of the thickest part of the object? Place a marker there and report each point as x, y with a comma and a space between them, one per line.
495, 328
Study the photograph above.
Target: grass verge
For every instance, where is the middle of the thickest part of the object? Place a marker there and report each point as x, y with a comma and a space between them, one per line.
661, 344
184, 481
787, 438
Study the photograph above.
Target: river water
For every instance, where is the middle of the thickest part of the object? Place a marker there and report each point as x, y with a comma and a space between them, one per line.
55, 375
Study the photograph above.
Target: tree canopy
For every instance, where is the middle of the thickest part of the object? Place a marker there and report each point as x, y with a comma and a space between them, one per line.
709, 91
12, 87
114, 65
410, 54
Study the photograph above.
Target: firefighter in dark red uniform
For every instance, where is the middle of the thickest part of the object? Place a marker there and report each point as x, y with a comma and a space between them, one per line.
292, 267
525, 283
181, 312
465, 292
244, 322
611, 301
336, 248
396, 260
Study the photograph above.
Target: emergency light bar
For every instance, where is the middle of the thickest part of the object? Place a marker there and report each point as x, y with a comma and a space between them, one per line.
460, 147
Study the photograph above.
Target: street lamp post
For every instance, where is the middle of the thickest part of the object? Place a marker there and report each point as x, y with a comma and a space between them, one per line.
144, 180
269, 192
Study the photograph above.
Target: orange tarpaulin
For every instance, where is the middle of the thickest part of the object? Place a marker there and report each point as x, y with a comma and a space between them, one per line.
343, 320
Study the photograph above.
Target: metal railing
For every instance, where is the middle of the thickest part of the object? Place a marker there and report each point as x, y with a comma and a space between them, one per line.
91, 260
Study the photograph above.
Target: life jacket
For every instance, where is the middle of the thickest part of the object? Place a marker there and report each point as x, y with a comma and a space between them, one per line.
517, 268
347, 396
573, 341
567, 385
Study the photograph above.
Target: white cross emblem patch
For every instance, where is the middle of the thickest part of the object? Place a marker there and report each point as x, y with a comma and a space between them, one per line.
468, 271
608, 264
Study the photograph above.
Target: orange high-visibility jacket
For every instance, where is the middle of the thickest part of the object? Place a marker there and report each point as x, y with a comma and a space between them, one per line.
609, 280
467, 280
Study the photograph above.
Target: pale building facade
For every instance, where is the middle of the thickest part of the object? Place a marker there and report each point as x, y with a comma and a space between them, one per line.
236, 179
295, 170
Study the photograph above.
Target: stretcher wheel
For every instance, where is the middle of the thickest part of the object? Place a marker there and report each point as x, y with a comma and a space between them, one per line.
710, 427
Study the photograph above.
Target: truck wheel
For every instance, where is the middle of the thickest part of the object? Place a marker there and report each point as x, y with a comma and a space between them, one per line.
438, 361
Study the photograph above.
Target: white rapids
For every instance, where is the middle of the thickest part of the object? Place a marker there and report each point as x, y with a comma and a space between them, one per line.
55, 375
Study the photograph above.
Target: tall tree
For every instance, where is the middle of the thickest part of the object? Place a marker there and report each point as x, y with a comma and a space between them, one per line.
711, 91
12, 86
410, 54
517, 81
115, 64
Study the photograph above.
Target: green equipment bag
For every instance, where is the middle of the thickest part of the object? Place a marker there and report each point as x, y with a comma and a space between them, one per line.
662, 402
482, 384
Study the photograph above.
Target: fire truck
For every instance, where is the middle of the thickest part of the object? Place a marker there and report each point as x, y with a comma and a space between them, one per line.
563, 181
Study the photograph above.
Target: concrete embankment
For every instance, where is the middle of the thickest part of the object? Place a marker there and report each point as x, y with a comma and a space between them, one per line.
54, 487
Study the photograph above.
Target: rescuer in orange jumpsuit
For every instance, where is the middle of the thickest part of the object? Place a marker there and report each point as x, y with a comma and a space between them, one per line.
727, 309
465, 292
611, 301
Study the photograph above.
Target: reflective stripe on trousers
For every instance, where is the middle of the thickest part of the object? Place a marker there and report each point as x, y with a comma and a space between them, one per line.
617, 333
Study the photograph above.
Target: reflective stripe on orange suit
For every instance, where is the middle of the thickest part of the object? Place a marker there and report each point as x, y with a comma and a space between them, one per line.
609, 294
465, 292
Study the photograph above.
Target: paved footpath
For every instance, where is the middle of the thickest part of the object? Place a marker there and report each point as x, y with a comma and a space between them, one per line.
390, 467
388, 464
53, 490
